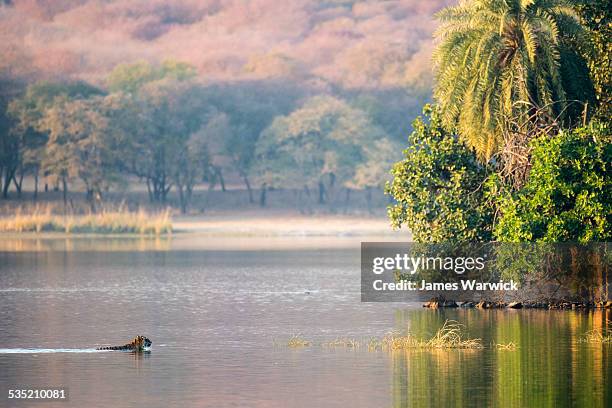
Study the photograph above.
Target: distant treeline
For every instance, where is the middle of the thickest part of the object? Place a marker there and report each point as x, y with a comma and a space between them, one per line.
161, 125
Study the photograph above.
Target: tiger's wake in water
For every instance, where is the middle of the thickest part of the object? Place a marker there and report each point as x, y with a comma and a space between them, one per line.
140, 344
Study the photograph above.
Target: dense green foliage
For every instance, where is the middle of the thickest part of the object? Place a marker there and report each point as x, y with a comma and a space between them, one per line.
597, 18
321, 145
132, 77
82, 143
507, 71
28, 136
498, 60
568, 196
438, 186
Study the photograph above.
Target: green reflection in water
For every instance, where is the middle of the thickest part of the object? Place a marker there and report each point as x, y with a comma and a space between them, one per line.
550, 368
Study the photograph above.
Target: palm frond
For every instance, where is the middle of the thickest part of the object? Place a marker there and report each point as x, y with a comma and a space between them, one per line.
500, 59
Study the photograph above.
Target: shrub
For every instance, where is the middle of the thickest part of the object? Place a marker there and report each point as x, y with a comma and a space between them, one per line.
438, 186
567, 197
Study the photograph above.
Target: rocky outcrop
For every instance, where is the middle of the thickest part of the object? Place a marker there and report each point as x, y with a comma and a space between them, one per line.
439, 302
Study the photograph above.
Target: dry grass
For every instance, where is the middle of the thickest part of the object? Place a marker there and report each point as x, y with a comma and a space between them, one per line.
104, 222
595, 336
449, 336
508, 347
346, 343
297, 341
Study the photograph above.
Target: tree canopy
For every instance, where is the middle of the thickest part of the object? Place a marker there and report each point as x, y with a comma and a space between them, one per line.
500, 61
319, 145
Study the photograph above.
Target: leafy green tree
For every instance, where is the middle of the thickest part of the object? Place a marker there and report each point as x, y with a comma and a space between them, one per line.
131, 77
163, 110
195, 163
83, 143
316, 146
373, 172
248, 109
7, 148
389, 108
438, 186
240, 147
163, 115
216, 130
568, 197
596, 16
499, 62
28, 137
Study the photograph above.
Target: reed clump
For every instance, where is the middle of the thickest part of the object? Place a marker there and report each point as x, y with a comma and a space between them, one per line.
449, 336
595, 336
508, 347
104, 222
340, 342
297, 341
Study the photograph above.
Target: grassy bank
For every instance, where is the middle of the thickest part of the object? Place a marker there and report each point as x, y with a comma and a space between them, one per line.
105, 222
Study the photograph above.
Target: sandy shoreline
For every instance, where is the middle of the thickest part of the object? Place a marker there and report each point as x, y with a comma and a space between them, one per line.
286, 225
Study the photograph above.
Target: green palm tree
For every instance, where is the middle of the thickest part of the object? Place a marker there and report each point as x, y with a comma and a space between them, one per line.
502, 60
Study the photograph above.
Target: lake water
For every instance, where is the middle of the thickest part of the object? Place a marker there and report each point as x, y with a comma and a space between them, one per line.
220, 321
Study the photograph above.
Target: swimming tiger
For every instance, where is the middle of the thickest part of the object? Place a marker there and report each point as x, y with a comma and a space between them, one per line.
138, 345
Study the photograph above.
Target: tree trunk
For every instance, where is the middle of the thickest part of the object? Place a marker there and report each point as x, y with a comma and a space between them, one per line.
221, 180
188, 195
369, 198
165, 190
8, 176
65, 192
151, 198
262, 196
94, 198
298, 200
182, 199
321, 192
332, 180
211, 186
98, 199
347, 199
306, 203
19, 183
248, 186
5, 189
91, 200
36, 186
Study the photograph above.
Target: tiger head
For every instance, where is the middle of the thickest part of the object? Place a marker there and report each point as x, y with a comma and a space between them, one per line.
142, 343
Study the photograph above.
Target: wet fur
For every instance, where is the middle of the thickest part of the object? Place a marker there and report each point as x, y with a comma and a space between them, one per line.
138, 345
